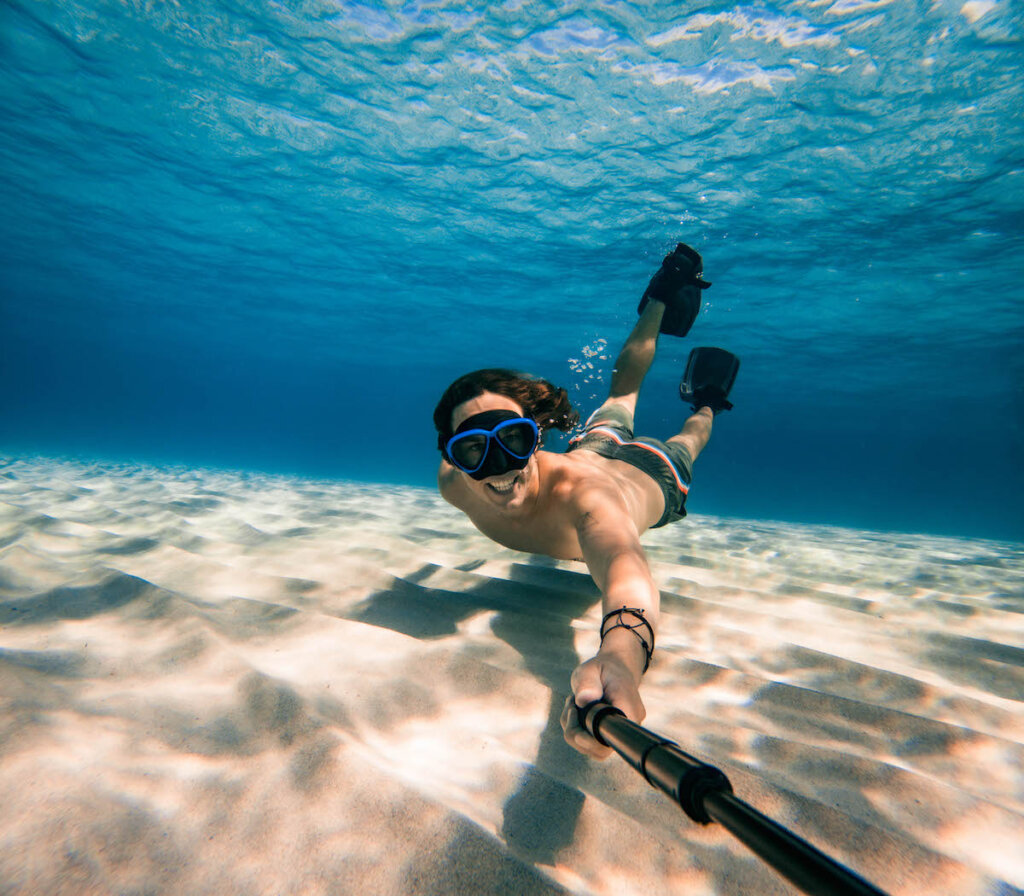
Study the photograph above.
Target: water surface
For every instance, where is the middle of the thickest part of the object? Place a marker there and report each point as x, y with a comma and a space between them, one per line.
267, 235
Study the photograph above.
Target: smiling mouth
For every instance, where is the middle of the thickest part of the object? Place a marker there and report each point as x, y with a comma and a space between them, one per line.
504, 486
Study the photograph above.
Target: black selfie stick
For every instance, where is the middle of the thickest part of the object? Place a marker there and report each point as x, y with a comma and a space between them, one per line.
705, 794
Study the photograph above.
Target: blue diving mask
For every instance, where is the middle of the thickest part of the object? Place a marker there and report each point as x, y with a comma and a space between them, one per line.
492, 443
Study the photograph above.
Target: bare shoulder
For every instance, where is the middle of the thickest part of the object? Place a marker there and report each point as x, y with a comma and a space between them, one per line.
585, 487
605, 488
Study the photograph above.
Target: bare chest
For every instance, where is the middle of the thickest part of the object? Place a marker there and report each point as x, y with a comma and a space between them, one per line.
552, 533
551, 525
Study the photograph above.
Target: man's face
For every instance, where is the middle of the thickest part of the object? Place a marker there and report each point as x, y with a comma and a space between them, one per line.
508, 490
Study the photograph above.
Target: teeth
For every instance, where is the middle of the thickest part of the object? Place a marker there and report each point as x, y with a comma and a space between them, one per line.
503, 487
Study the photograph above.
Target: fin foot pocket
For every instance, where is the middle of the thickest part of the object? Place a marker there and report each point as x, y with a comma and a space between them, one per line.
677, 284
710, 373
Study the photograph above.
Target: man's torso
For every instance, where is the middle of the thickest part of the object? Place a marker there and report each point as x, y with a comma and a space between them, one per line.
548, 525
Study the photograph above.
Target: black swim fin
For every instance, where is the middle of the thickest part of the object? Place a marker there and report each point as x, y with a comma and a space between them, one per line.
678, 284
710, 373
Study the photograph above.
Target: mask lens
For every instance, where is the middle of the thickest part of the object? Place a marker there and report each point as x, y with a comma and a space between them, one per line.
468, 451
519, 439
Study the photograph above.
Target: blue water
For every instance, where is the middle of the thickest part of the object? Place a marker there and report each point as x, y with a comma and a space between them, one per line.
266, 235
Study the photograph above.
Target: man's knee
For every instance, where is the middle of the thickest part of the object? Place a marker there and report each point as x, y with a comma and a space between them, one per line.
618, 410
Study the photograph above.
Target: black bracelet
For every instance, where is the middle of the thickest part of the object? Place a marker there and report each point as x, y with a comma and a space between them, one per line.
642, 621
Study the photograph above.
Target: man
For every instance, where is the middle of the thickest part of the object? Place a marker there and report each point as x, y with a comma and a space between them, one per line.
594, 501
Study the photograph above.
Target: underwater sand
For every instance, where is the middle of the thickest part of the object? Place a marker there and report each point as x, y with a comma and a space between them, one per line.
229, 683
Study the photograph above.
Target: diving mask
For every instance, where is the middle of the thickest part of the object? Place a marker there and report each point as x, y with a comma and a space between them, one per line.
492, 443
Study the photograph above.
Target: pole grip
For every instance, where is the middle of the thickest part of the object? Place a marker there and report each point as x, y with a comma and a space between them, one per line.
680, 776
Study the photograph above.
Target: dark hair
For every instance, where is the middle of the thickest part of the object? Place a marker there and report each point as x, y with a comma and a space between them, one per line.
548, 405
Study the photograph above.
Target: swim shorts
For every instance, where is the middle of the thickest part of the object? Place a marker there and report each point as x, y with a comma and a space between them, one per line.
609, 432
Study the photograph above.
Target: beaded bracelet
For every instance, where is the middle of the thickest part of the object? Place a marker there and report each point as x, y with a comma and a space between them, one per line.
619, 623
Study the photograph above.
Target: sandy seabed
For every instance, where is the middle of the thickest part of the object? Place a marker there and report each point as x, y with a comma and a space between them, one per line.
227, 683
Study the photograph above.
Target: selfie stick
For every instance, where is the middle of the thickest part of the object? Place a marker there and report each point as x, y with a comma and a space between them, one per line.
705, 795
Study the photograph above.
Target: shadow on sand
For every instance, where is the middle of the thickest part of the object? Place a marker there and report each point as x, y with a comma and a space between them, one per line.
534, 618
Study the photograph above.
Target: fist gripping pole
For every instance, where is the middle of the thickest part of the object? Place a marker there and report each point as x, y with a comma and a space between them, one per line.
705, 795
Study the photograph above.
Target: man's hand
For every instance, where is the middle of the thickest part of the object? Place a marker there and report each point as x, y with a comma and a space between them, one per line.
605, 677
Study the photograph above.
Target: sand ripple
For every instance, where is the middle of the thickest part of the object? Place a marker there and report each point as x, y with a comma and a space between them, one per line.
229, 683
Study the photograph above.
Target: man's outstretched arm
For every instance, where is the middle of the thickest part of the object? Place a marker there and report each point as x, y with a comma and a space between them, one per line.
616, 560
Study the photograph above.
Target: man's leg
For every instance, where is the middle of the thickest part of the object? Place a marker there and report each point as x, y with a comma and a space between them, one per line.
695, 432
635, 360
631, 367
